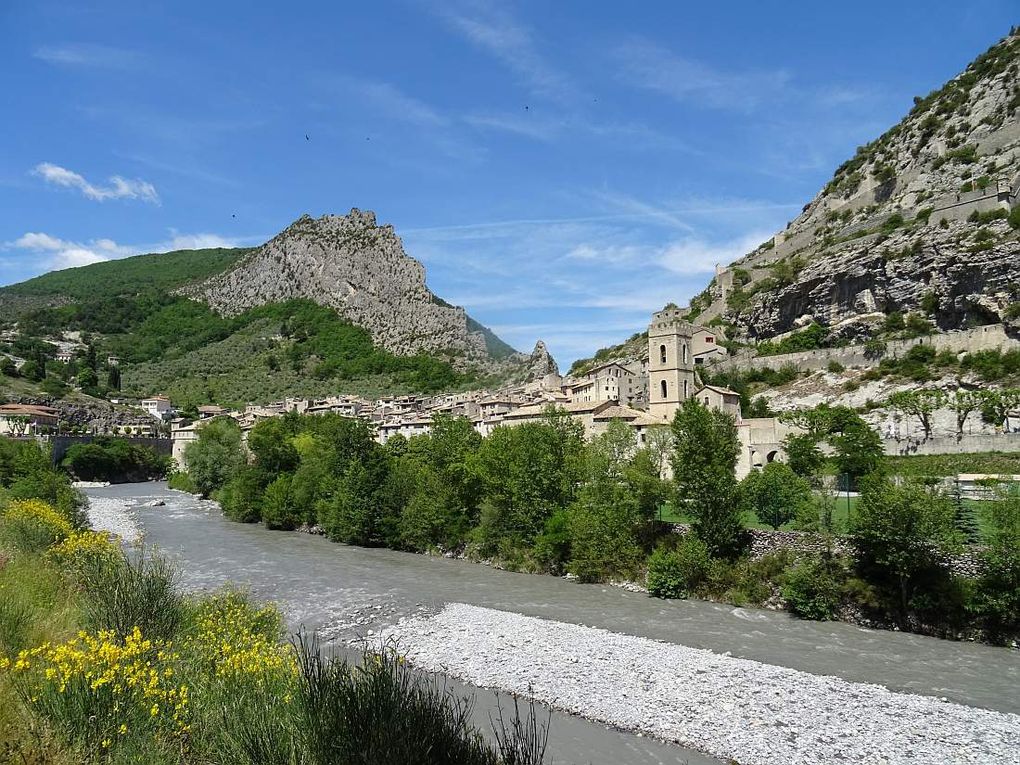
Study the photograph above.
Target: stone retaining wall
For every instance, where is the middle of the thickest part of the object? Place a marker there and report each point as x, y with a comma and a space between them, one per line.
992, 336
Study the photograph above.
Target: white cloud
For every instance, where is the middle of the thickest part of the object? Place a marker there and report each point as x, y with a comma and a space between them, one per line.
119, 188
650, 66
697, 256
197, 242
65, 254
79, 54
491, 27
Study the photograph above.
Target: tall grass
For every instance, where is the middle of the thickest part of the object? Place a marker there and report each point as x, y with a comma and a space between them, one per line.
134, 590
382, 710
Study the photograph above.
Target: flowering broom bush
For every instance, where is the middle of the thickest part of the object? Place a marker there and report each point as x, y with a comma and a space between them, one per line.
84, 550
97, 689
32, 525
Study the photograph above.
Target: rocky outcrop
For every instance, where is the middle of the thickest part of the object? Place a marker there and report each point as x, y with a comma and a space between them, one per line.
540, 363
360, 269
852, 288
916, 221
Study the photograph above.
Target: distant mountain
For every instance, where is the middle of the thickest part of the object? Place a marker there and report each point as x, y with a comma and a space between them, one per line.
329, 304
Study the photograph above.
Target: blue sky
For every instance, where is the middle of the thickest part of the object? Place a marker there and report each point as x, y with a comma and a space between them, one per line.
562, 169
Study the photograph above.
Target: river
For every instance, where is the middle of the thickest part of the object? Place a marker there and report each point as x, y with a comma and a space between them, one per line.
350, 591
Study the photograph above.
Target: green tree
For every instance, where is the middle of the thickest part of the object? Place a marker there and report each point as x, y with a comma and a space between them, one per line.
603, 519
215, 456
241, 496
904, 536
526, 473
113, 377
997, 596
776, 494
704, 462
921, 403
7, 367
964, 403
87, 379
278, 508
33, 370
270, 441
803, 454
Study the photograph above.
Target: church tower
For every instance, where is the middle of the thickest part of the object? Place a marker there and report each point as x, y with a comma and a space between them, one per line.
670, 363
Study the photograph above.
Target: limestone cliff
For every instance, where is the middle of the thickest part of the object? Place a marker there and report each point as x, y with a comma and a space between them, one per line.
919, 221
360, 269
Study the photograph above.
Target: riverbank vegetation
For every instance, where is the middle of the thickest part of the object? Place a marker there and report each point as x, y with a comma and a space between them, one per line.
538, 498
115, 460
104, 660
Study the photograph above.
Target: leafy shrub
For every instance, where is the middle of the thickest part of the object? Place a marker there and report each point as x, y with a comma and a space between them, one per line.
677, 573
138, 592
997, 595
812, 588
835, 367
381, 710
182, 481
33, 525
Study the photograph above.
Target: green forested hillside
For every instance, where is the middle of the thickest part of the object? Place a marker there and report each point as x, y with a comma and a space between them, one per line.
129, 276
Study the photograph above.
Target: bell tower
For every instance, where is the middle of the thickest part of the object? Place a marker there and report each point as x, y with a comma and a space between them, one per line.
670, 363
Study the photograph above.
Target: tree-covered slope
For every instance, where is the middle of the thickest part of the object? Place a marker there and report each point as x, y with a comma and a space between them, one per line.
129, 276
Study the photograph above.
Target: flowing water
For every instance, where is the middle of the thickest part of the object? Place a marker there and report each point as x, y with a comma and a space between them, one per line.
346, 592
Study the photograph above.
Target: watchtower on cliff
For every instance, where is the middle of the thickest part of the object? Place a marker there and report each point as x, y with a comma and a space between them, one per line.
670, 363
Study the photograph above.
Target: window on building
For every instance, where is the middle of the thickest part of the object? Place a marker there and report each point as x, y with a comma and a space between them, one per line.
706, 401
709, 339
662, 354
685, 352
685, 390
664, 390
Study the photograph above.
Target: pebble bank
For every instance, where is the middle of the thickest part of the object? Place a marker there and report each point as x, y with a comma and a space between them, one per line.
754, 713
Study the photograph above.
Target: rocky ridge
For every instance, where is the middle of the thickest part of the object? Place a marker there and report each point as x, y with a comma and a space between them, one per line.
915, 221
360, 269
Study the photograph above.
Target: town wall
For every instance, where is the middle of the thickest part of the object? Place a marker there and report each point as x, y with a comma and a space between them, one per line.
992, 336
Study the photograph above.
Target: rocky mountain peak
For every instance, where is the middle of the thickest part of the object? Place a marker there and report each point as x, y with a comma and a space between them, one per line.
541, 363
353, 265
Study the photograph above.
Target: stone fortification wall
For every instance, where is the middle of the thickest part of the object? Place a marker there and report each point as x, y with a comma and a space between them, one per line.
968, 340
977, 442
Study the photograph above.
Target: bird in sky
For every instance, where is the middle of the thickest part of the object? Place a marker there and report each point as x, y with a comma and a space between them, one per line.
307, 138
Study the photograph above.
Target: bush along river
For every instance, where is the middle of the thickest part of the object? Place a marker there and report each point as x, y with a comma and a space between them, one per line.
644, 680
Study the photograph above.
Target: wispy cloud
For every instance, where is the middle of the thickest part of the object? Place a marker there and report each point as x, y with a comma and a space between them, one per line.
86, 55
119, 188
399, 105
493, 28
697, 255
648, 65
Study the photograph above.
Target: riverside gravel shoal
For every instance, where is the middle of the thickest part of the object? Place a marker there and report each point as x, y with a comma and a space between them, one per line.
754, 713
113, 516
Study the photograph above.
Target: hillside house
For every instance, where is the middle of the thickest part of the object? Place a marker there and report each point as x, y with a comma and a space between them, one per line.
27, 419
157, 406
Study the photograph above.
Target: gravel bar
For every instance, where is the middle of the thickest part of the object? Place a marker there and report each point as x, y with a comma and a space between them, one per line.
754, 713
114, 516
